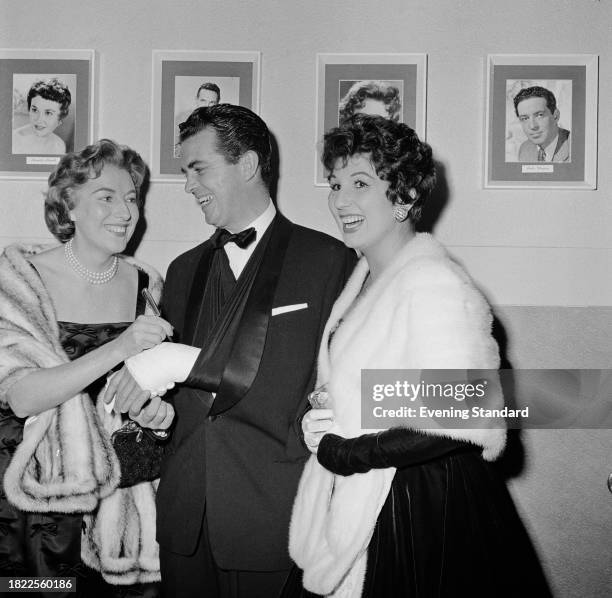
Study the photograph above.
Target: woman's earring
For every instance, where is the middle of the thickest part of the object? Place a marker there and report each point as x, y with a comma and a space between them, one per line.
400, 212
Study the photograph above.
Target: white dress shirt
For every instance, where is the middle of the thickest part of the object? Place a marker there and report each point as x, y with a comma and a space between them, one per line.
239, 257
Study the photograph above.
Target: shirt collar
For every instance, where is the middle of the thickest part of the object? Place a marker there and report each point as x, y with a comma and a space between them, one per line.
261, 223
239, 257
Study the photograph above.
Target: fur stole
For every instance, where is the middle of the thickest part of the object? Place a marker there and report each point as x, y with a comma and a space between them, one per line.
66, 462
422, 313
119, 537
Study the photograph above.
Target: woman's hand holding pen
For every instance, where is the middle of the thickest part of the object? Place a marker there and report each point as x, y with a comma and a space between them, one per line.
144, 333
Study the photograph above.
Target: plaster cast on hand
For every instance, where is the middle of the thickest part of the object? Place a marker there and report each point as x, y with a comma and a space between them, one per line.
157, 369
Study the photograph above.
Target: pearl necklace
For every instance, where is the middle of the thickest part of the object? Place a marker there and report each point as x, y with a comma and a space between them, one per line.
90, 276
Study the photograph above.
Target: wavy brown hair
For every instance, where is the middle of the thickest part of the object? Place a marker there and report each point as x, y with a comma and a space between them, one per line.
75, 169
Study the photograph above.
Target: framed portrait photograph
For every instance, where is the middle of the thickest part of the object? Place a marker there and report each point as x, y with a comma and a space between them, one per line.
46, 109
389, 85
186, 80
541, 121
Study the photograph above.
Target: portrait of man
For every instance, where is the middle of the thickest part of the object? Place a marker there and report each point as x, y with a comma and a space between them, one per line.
536, 135
208, 94
191, 92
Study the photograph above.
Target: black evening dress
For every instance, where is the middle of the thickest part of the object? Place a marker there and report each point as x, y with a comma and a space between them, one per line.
49, 544
448, 527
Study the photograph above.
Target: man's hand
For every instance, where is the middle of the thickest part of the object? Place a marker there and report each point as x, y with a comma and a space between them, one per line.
126, 392
131, 399
315, 424
157, 415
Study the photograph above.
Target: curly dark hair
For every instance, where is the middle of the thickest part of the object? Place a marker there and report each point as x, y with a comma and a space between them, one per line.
75, 169
53, 90
536, 92
238, 129
395, 151
361, 91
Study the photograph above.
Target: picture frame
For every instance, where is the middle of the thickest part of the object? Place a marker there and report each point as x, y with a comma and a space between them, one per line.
526, 144
343, 78
182, 80
46, 108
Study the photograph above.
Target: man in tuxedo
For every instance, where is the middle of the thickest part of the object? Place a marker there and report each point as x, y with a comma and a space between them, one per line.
536, 109
255, 297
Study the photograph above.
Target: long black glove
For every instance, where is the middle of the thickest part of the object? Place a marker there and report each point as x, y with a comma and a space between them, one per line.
397, 447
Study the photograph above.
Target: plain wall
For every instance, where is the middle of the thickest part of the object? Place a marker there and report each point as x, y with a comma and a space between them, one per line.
537, 254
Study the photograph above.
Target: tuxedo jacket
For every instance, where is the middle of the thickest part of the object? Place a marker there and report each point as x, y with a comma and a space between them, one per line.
242, 466
528, 151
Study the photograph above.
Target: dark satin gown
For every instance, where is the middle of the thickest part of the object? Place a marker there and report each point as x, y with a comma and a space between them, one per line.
448, 527
49, 544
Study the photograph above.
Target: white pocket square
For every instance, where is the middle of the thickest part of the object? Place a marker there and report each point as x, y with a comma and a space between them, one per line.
287, 308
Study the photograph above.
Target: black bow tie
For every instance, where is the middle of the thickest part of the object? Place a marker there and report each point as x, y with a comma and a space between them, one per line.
243, 239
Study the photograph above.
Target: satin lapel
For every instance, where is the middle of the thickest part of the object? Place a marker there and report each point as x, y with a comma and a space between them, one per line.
193, 307
248, 348
196, 294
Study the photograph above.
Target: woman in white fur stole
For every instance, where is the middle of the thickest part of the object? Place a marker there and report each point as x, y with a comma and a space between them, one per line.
68, 316
416, 510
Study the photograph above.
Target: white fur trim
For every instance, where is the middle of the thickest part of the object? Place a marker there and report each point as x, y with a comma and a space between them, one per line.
423, 312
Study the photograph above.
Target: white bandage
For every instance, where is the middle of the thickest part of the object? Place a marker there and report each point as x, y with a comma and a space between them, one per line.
157, 369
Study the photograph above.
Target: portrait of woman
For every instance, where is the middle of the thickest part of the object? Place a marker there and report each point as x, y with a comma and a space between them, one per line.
417, 509
48, 103
371, 97
69, 314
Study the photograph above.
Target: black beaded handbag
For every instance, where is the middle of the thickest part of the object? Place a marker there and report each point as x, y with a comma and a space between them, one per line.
140, 452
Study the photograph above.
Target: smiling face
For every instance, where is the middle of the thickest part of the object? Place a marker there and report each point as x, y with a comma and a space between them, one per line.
105, 212
538, 122
359, 204
217, 185
44, 116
